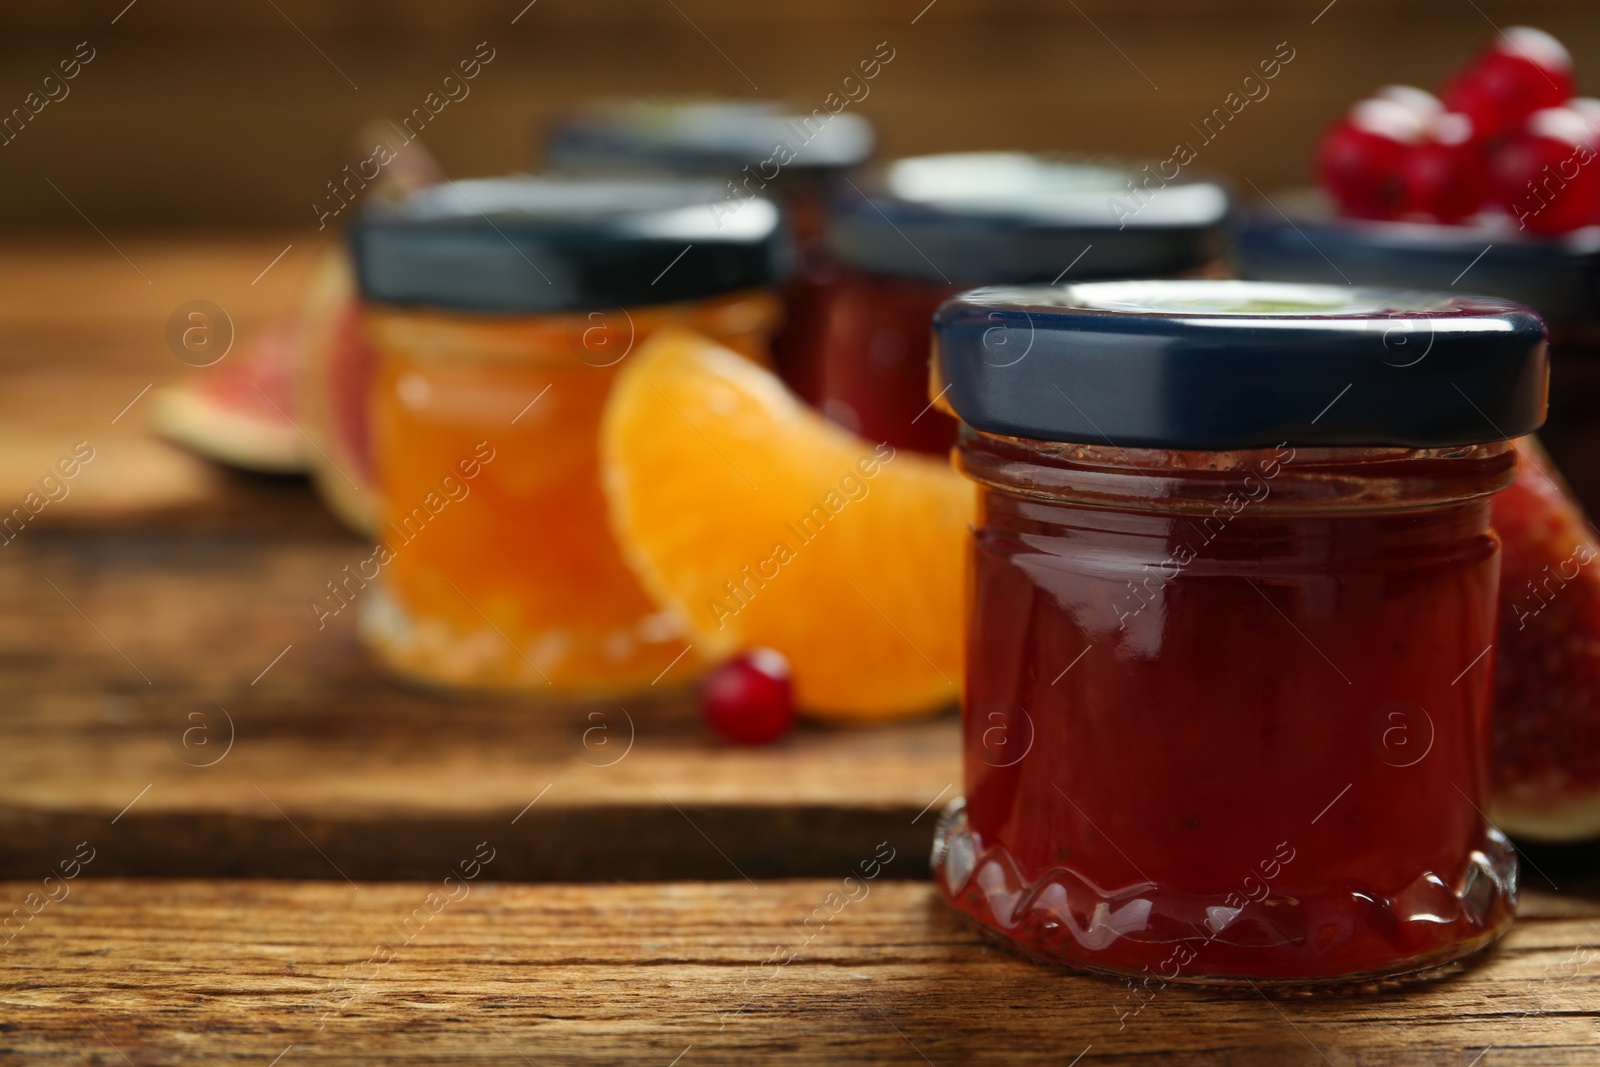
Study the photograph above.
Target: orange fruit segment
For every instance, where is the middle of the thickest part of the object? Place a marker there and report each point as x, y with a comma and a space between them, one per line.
759, 523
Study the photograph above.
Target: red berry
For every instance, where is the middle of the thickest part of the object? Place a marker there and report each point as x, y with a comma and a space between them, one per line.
1548, 177
749, 699
1522, 71
1359, 159
1446, 177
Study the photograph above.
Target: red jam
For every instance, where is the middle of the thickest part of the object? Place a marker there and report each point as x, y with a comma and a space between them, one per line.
870, 373
1226, 712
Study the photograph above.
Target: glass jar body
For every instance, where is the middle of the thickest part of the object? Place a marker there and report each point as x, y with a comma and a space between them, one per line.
1226, 714
496, 566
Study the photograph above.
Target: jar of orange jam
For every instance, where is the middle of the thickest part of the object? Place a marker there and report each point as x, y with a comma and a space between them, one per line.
500, 311
922, 229
1232, 590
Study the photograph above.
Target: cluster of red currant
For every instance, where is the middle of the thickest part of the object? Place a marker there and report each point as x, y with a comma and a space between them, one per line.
1505, 138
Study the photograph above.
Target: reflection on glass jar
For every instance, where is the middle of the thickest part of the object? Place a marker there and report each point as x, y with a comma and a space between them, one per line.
1232, 582
500, 311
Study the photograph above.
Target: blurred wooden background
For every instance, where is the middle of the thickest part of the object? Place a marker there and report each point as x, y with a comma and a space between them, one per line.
235, 114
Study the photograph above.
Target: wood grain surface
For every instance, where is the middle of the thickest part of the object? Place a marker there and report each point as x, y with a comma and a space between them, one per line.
222, 972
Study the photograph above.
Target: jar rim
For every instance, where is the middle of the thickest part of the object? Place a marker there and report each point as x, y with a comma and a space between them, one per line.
1283, 480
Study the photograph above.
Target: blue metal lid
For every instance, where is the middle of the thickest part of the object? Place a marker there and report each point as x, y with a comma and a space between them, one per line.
1222, 365
1009, 217
714, 137
544, 244
1559, 277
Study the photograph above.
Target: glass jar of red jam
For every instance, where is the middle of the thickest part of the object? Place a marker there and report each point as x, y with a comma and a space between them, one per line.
1559, 277
752, 149
928, 227
1230, 576
500, 312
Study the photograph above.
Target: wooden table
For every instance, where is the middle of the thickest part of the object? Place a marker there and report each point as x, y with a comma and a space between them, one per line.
288, 899
237, 972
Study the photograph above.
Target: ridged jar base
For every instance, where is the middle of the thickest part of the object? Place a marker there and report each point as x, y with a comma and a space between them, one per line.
1346, 939
433, 653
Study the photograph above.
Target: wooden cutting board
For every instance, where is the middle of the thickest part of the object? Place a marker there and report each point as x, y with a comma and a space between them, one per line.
161, 656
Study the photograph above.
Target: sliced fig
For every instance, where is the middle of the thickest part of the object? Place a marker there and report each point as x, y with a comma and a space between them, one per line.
336, 363
241, 410
1547, 659
336, 369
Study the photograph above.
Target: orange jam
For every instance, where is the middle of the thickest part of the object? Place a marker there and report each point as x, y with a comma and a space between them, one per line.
504, 569
500, 312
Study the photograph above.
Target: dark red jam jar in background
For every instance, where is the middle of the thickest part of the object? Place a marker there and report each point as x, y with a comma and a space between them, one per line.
1557, 276
751, 149
925, 228
1232, 583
